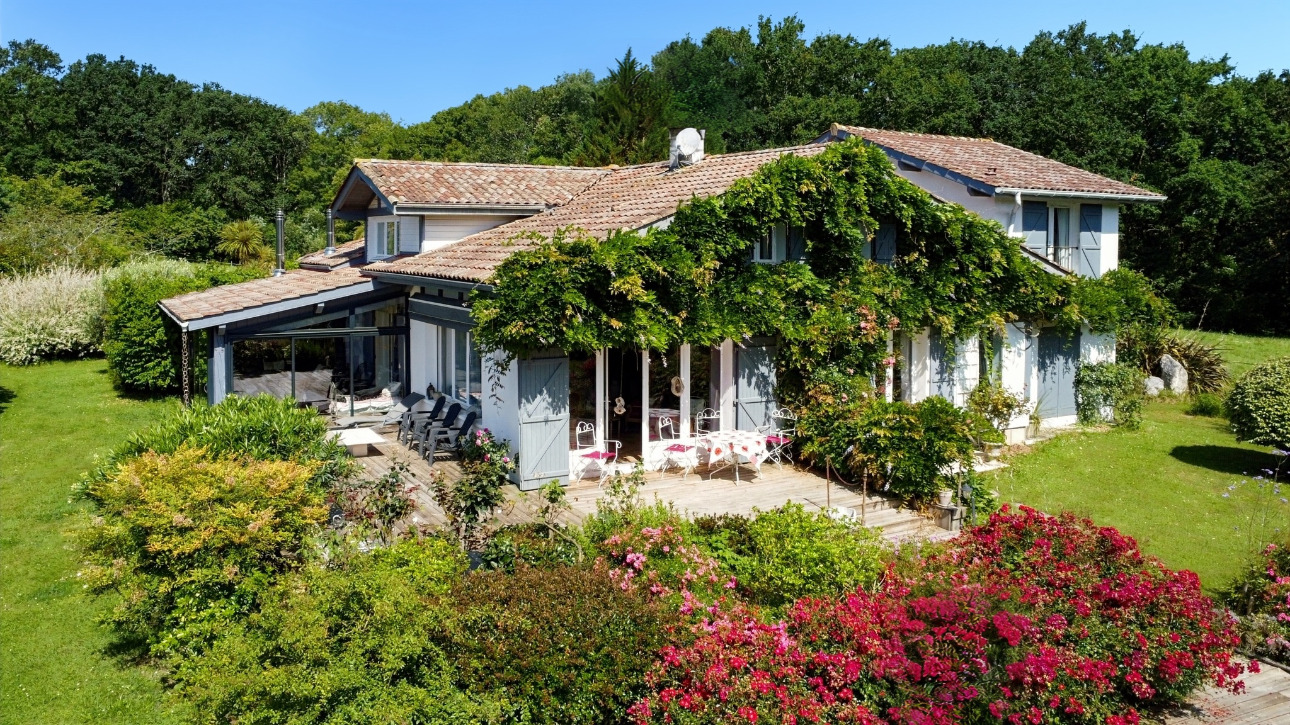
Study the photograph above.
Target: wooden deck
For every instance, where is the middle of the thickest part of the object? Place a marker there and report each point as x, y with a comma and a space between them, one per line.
1266, 701
695, 495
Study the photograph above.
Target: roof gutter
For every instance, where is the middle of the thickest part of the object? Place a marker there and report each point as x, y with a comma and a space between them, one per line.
416, 280
433, 209
1081, 194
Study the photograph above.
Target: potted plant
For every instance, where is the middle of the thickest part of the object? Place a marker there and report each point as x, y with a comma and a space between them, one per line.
945, 496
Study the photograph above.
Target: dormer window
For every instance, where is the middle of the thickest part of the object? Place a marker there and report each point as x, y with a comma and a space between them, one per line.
387, 238
391, 236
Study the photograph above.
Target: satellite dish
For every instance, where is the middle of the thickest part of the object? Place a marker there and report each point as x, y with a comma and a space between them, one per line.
689, 142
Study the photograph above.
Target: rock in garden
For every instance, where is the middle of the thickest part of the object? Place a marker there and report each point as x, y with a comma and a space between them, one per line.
1154, 386
1174, 375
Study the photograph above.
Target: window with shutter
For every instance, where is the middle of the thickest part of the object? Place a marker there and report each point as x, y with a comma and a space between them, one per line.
884, 244
1090, 240
1034, 225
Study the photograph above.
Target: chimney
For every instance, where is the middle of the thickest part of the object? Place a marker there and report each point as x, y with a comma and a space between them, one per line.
331, 234
280, 268
685, 147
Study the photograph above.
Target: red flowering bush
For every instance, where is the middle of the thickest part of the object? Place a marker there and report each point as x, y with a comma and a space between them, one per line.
1028, 619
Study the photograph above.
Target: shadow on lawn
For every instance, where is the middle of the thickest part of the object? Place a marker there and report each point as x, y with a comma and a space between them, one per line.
6, 397
1225, 459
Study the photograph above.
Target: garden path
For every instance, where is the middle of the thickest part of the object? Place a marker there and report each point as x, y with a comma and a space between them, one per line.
695, 495
1266, 701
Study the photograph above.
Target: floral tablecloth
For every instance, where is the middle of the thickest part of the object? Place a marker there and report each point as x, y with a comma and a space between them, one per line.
748, 444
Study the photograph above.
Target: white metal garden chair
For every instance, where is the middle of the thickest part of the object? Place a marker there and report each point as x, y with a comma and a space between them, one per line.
779, 441
588, 452
677, 451
706, 421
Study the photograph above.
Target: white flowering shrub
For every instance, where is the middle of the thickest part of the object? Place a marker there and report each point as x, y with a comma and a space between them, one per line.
57, 312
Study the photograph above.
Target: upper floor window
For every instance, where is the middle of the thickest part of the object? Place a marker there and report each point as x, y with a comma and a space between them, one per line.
779, 244
1061, 241
770, 248
387, 238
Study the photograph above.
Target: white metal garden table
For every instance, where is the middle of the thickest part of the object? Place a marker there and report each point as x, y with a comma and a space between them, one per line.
734, 445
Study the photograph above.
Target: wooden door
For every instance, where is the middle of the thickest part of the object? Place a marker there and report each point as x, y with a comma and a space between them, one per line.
754, 385
544, 421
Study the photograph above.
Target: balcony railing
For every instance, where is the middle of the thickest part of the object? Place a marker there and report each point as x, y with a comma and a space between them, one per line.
1063, 256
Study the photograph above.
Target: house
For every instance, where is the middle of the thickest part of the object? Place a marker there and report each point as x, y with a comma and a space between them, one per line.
360, 324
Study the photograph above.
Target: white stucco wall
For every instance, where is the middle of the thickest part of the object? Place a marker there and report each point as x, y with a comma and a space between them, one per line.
500, 408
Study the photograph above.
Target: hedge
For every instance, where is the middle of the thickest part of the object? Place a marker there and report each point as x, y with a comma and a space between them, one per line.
142, 344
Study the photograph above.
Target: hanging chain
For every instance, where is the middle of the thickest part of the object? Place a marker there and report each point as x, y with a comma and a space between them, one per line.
183, 354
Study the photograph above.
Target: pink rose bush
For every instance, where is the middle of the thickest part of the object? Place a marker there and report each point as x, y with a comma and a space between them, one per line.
1261, 595
1029, 619
660, 561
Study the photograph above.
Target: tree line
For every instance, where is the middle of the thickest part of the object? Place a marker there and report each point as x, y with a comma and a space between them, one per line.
175, 162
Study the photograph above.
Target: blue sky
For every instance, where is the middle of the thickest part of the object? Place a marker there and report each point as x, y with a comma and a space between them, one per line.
411, 59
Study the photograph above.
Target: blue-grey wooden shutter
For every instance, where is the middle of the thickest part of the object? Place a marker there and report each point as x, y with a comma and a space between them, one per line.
942, 366
1090, 239
884, 244
754, 385
1034, 224
796, 244
544, 421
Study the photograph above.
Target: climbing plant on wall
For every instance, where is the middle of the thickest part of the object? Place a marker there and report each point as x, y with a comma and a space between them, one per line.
695, 282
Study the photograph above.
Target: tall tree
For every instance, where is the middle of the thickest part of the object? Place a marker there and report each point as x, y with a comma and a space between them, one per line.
632, 117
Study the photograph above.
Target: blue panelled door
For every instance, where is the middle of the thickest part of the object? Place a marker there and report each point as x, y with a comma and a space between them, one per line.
1057, 359
544, 421
754, 385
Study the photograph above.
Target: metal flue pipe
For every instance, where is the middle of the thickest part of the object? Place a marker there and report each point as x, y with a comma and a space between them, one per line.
331, 234
281, 267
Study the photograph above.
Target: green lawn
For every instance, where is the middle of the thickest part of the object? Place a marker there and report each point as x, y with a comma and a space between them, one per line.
53, 420
1164, 483
1243, 352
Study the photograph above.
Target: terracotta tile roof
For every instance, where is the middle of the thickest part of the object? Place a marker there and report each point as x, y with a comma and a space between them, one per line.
438, 182
293, 284
996, 164
628, 198
345, 254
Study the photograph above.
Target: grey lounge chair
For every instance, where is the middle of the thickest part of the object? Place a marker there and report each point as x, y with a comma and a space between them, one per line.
450, 439
425, 428
409, 420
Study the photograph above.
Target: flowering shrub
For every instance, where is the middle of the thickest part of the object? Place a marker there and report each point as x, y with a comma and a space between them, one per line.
659, 560
1261, 595
1028, 619
56, 312
467, 499
380, 503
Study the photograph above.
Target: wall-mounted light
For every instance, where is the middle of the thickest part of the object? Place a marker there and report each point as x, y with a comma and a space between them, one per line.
318, 308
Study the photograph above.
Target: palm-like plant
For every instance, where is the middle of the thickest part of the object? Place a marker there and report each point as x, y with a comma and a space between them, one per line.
242, 242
